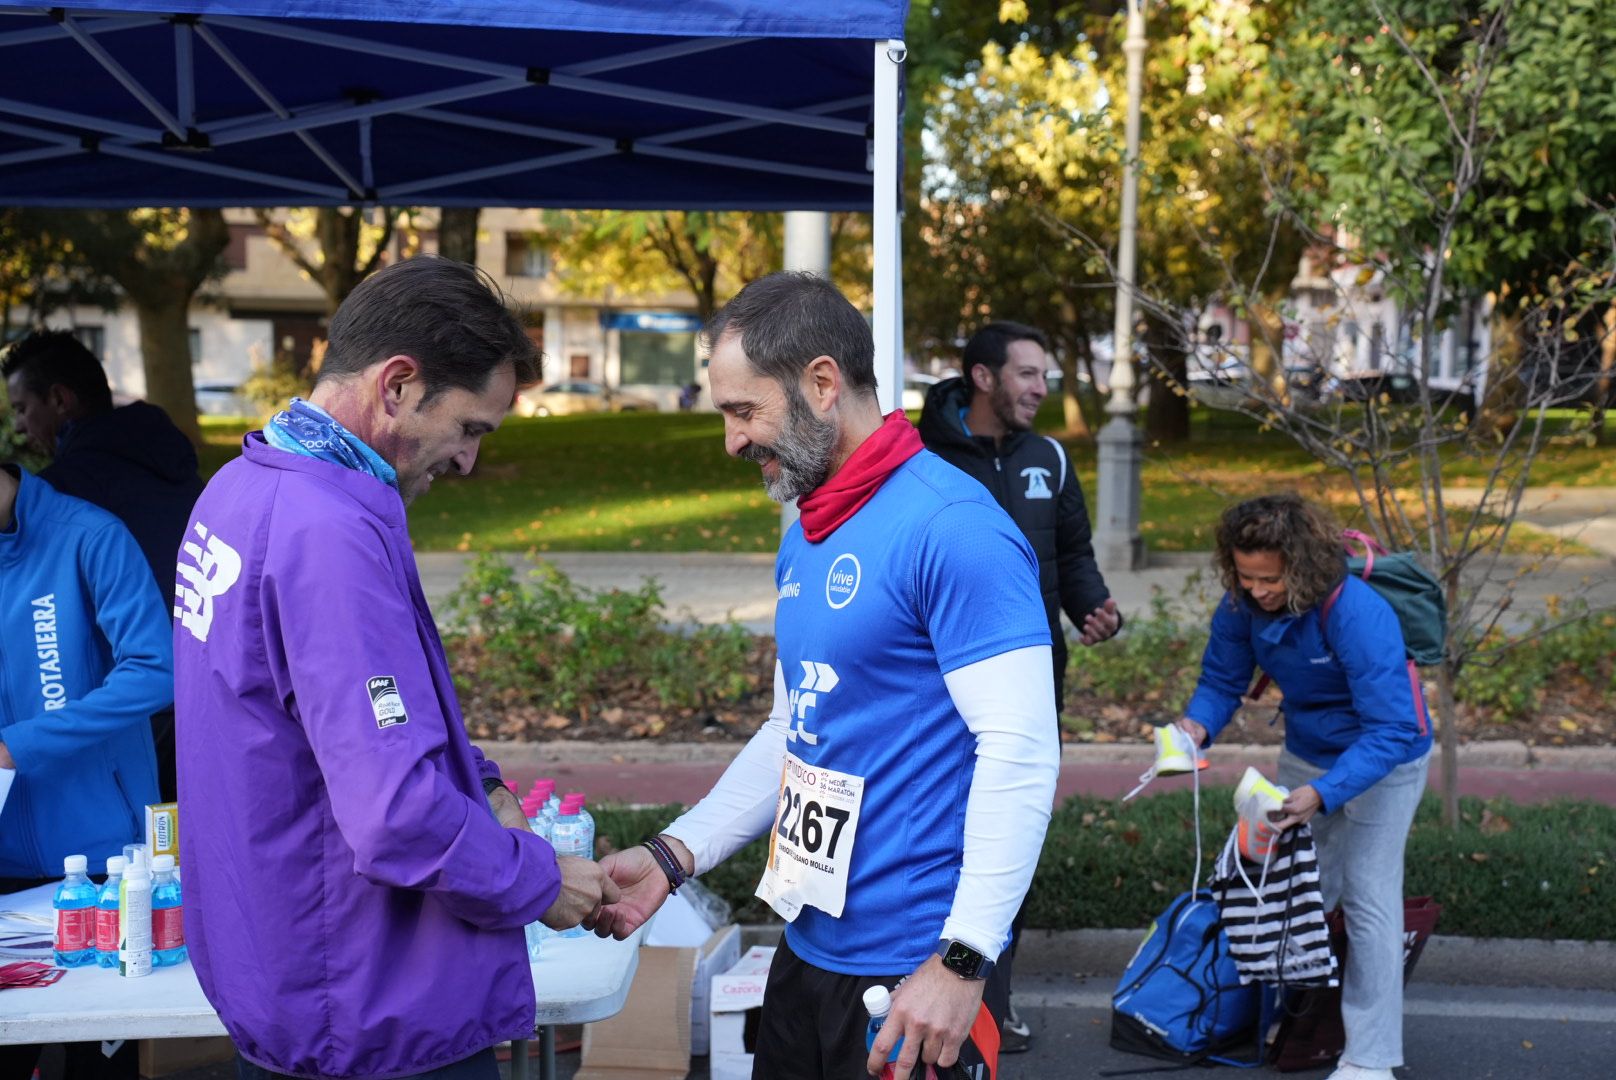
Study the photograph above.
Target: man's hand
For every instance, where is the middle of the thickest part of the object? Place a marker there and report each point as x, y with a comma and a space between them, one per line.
584, 888
6, 761
1194, 730
1100, 624
643, 886
932, 1012
507, 809
1297, 809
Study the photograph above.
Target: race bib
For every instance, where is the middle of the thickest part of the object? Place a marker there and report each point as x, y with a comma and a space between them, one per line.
811, 847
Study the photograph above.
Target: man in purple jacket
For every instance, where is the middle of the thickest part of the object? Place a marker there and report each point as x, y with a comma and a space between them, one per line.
353, 907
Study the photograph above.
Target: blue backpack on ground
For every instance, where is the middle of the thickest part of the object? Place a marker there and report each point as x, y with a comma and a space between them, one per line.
1180, 998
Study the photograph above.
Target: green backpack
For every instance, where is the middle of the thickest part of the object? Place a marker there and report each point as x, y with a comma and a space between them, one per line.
1412, 591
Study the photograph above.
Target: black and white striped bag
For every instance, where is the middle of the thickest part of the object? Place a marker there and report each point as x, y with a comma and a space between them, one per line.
1273, 912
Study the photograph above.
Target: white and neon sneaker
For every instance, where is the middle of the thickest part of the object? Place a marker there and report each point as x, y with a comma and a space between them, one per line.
1348, 1071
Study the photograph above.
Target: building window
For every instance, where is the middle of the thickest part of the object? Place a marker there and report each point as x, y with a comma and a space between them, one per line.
524, 258
93, 338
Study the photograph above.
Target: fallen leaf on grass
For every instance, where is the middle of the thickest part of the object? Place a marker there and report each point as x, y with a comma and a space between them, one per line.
555, 722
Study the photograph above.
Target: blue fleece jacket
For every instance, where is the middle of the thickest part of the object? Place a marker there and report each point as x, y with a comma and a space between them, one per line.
85, 659
1352, 704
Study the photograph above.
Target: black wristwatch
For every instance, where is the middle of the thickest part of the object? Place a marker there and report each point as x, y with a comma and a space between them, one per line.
963, 960
492, 784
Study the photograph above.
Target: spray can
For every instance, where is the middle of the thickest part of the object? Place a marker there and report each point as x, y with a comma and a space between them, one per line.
135, 921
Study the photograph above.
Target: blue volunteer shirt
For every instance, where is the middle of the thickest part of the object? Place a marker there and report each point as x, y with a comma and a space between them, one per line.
929, 576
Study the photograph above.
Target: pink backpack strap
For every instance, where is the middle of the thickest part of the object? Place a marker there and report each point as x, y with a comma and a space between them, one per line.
1371, 548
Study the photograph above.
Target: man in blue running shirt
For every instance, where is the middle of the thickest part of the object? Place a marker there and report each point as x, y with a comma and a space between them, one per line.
906, 770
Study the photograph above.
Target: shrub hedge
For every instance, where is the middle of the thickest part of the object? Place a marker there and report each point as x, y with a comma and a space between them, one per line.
1511, 871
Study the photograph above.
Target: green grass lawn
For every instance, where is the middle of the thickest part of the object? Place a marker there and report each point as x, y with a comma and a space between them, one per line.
662, 482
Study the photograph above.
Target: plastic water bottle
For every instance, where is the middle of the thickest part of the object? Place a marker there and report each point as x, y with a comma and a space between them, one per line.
573, 835
135, 921
75, 915
878, 1003
168, 922
106, 915
587, 824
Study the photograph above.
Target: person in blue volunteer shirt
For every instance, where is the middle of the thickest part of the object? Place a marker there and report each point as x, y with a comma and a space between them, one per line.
1357, 736
905, 774
85, 659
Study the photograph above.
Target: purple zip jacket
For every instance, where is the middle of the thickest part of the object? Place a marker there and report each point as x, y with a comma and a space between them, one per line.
352, 907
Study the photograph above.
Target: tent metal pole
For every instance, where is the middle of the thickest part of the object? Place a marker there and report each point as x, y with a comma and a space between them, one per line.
44, 153
731, 161
126, 80
367, 111
34, 111
89, 26
184, 75
887, 320
551, 161
727, 127
192, 164
651, 56
367, 167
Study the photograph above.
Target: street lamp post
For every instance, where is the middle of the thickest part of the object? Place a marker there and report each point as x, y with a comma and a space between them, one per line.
1117, 543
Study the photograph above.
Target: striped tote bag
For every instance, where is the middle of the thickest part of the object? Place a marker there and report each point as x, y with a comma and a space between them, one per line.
1273, 913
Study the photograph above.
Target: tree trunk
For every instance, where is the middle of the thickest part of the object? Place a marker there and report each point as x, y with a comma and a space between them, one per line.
1167, 416
1077, 425
165, 349
1268, 351
1448, 740
457, 233
338, 236
1501, 405
1607, 370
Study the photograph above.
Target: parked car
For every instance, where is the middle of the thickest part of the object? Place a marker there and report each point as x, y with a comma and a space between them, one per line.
221, 399
578, 396
1402, 388
916, 385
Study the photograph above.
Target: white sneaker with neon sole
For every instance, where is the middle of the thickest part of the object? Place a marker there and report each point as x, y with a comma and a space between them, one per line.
1347, 1071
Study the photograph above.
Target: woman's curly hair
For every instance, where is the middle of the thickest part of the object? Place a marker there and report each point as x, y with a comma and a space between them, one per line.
1307, 539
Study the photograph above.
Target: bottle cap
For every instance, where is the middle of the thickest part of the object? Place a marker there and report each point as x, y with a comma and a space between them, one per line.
115, 864
162, 864
76, 864
877, 1001
575, 796
571, 804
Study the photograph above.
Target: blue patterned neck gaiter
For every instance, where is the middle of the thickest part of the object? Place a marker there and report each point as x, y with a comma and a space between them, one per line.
305, 428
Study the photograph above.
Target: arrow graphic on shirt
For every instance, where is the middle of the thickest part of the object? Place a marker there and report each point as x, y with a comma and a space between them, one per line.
817, 676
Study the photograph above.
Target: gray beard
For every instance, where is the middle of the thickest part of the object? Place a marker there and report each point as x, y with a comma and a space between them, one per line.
803, 451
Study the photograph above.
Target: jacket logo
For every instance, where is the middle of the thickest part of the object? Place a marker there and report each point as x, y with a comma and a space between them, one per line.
208, 576
52, 690
1037, 483
842, 583
385, 701
789, 588
817, 679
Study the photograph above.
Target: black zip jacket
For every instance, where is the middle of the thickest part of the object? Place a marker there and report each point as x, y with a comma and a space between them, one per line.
1030, 477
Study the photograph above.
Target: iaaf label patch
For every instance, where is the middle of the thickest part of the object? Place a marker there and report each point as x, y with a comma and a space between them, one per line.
385, 701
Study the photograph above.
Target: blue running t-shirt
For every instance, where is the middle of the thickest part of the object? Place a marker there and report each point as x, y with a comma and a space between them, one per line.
929, 576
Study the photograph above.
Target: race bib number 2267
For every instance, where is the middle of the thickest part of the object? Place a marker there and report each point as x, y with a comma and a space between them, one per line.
811, 847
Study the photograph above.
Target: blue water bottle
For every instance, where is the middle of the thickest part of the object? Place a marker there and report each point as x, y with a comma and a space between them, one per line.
75, 904
168, 922
106, 915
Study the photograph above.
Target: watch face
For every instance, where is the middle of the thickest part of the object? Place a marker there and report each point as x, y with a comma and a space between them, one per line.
962, 959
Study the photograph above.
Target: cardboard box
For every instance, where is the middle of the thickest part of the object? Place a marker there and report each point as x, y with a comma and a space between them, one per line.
163, 830
650, 1038
646, 1041
159, 1057
738, 995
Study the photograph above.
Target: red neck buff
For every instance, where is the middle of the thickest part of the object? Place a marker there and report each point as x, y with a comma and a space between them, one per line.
830, 504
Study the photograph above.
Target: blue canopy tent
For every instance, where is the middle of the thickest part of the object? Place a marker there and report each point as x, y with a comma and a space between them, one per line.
627, 104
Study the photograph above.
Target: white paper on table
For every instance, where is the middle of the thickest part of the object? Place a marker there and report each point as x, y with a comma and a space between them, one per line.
6, 777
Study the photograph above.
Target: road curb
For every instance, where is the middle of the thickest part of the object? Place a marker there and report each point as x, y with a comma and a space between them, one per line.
1502, 754
1453, 961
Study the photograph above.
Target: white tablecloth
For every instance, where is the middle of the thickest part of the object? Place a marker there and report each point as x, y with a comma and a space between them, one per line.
578, 980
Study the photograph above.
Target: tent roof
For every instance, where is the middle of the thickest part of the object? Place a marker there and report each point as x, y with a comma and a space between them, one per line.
719, 104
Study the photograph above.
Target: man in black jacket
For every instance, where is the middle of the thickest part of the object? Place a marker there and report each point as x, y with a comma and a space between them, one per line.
982, 423
130, 461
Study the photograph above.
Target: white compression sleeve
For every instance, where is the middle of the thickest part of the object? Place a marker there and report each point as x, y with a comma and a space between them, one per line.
741, 806
1008, 703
